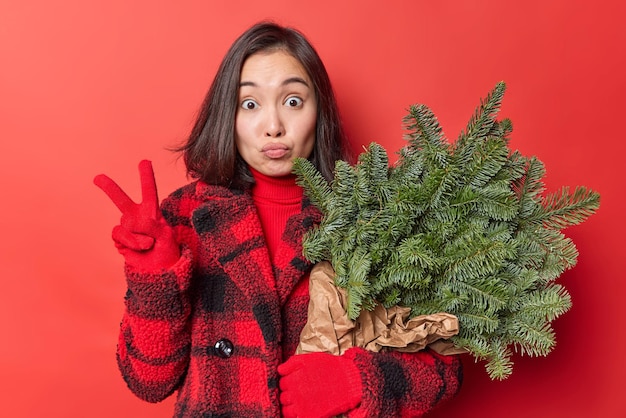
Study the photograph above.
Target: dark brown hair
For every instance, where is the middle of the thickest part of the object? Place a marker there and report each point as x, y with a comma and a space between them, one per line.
210, 152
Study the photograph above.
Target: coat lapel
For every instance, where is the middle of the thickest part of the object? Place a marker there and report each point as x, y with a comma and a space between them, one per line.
230, 231
290, 265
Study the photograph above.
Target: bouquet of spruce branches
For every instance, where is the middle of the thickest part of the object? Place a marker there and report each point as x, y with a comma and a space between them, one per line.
464, 228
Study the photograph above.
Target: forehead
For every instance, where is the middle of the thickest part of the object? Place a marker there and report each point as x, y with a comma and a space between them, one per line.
269, 67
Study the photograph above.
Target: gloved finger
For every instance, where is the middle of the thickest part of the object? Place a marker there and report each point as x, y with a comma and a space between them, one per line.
289, 412
127, 239
286, 397
291, 383
149, 196
115, 192
291, 365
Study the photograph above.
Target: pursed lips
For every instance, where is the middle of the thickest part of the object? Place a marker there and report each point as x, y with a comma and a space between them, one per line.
274, 150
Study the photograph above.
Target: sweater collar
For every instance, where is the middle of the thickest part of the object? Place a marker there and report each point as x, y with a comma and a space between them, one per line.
282, 189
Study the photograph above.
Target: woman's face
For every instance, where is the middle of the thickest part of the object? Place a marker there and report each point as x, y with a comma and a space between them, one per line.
277, 113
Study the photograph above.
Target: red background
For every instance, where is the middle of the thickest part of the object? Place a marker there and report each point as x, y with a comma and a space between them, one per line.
91, 87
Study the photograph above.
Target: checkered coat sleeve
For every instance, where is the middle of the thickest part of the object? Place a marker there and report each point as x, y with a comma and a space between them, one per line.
216, 325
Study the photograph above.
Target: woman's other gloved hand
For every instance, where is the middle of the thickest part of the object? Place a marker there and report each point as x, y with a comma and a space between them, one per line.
318, 385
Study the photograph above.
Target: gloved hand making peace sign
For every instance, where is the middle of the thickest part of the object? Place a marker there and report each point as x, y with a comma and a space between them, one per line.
143, 237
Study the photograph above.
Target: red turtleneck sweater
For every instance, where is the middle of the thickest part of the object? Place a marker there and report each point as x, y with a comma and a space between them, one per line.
276, 199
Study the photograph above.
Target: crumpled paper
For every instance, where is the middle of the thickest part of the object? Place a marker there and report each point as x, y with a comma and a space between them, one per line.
329, 329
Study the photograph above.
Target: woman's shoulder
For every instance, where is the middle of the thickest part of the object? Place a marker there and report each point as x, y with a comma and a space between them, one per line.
200, 191
187, 198
183, 192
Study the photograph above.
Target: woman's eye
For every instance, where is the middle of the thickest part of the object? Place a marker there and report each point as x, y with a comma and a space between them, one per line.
294, 102
249, 104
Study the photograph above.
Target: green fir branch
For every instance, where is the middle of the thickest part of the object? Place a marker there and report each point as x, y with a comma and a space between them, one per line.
462, 228
315, 185
562, 209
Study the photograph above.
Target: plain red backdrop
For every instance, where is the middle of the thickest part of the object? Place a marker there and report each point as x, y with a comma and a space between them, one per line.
94, 87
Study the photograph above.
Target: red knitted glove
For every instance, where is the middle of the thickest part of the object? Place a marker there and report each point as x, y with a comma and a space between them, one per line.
318, 385
143, 237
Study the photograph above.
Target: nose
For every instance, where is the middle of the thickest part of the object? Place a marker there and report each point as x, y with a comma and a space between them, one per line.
274, 127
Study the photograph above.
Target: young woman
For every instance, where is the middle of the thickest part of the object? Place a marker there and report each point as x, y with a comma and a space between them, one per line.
217, 284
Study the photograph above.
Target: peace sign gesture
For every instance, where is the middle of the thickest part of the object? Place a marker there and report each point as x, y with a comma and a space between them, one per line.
143, 237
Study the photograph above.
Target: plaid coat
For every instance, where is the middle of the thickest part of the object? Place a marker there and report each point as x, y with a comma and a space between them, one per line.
216, 325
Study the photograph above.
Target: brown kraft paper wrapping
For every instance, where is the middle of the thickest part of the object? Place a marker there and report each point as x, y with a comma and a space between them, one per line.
329, 329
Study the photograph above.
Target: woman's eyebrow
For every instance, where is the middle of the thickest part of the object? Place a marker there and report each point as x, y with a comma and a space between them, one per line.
287, 81
291, 80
